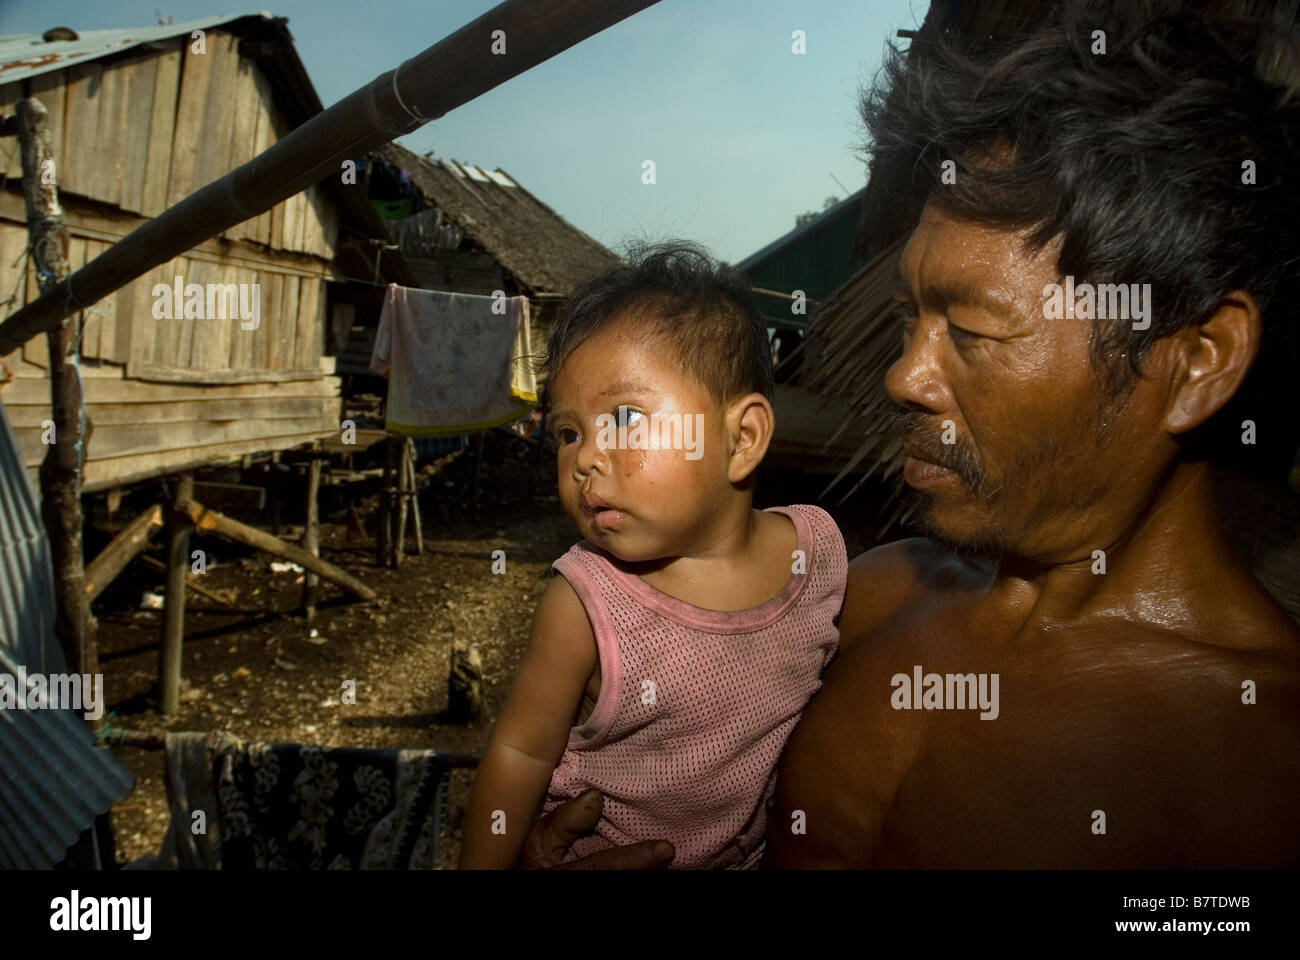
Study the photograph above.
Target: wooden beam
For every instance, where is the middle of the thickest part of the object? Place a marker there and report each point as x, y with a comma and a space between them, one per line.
446, 75
112, 560
161, 567
173, 625
211, 521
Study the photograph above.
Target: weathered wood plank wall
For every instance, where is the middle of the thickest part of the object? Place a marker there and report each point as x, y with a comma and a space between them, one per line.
132, 135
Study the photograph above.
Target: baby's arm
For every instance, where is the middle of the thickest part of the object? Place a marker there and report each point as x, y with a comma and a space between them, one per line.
531, 733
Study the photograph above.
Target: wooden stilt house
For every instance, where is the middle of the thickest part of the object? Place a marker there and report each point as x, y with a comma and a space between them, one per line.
140, 119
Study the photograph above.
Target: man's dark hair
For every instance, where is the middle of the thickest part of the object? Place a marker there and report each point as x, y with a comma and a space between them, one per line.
703, 310
1135, 157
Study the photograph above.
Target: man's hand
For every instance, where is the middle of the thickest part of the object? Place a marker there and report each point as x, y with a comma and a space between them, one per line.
551, 836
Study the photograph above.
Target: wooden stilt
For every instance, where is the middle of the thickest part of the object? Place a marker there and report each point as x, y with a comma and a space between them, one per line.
112, 560
173, 626
311, 539
273, 491
399, 539
478, 466
383, 530
415, 507
209, 520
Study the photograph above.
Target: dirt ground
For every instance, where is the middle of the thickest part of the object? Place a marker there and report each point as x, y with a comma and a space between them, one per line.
259, 670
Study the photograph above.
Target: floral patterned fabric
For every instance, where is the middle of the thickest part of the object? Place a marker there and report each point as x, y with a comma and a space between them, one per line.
288, 806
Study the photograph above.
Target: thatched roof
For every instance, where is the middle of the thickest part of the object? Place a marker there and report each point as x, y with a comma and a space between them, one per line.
544, 252
852, 340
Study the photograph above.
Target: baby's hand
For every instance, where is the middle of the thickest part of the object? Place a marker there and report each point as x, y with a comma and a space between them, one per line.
551, 836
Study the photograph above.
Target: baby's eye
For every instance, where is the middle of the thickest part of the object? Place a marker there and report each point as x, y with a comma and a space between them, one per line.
625, 415
560, 435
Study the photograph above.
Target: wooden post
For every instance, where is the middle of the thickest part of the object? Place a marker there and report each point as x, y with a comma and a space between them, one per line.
273, 491
541, 437
311, 538
383, 530
399, 541
466, 702
173, 626
478, 465
60, 471
415, 507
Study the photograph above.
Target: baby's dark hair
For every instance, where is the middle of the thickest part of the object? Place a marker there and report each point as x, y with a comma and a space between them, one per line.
704, 310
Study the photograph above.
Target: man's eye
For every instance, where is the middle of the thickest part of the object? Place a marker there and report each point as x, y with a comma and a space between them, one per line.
624, 416
906, 313
960, 335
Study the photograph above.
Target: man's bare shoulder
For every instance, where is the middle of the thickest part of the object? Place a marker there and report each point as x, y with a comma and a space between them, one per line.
888, 578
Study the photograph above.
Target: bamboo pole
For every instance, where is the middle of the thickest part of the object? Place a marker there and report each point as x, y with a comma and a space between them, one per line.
211, 521
450, 73
173, 625
60, 470
112, 560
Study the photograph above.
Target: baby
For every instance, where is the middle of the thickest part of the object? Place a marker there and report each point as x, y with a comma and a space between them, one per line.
674, 654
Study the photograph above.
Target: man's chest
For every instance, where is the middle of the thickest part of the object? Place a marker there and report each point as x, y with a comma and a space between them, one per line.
933, 744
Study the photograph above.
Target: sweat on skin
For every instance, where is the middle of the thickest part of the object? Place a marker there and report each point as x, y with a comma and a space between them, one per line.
946, 691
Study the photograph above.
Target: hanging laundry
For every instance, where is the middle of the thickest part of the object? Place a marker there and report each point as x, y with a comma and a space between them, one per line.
453, 364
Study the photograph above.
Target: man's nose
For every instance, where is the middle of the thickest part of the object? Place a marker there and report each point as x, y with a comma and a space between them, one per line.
916, 380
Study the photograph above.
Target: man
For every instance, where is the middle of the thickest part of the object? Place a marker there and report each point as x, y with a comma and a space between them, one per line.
1073, 668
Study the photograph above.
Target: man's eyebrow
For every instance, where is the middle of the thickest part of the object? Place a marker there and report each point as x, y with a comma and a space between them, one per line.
994, 299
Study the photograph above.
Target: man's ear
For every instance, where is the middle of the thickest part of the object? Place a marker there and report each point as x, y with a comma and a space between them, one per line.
750, 425
1212, 360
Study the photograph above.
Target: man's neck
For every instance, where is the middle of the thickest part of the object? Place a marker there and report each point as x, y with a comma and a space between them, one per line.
1170, 571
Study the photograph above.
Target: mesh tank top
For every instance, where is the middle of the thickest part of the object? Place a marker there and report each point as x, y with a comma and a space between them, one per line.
696, 705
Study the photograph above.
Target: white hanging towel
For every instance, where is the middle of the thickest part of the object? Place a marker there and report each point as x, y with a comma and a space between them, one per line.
454, 364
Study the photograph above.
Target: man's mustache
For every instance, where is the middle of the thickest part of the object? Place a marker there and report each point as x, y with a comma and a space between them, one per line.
927, 434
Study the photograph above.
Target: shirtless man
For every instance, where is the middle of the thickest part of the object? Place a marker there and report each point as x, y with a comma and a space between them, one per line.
1146, 712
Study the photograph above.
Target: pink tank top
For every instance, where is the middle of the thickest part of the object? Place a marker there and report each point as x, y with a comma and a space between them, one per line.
696, 705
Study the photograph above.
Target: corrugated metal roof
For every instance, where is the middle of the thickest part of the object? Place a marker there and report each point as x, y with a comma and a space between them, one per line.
26, 55
54, 781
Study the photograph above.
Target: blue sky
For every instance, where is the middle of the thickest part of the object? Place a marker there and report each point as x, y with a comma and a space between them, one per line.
744, 134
